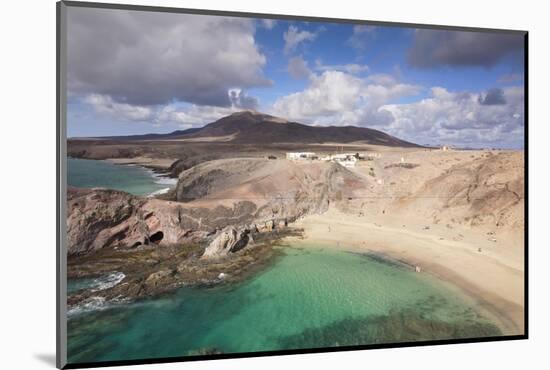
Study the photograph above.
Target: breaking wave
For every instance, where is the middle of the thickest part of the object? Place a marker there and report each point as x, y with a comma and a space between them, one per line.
158, 192
108, 281
94, 303
162, 179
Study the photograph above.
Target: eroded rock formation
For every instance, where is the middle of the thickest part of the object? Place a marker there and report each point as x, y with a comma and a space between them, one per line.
229, 240
245, 194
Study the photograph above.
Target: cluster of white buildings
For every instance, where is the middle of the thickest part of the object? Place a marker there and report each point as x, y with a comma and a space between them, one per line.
297, 156
344, 159
373, 155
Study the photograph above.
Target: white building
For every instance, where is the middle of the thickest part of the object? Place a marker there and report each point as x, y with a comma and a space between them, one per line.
297, 156
344, 159
342, 156
348, 162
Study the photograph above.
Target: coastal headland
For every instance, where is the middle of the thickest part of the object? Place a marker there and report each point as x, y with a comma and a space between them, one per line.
455, 214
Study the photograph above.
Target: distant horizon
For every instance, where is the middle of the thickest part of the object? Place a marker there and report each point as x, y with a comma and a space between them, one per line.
181, 71
434, 145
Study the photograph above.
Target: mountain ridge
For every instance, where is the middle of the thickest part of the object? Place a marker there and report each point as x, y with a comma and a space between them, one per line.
251, 127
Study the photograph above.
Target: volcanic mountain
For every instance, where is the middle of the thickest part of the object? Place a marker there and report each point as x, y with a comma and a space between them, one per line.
250, 127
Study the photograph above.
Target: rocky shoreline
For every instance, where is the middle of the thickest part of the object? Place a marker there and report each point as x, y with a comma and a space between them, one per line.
152, 270
218, 224
109, 230
160, 244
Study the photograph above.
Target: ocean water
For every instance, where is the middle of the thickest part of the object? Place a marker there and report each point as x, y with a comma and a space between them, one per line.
86, 173
309, 297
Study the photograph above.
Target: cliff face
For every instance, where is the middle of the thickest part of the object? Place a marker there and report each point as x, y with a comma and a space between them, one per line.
97, 218
247, 194
101, 218
279, 189
229, 240
253, 194
487, 190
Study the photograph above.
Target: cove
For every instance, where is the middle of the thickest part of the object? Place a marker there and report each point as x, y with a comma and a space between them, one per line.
136, 180
308, 297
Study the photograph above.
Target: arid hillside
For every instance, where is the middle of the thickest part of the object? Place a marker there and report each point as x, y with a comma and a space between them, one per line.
251, 127
470, 188
252, 194
475, 189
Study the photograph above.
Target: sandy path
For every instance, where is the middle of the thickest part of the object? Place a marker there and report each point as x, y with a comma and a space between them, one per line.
494, 277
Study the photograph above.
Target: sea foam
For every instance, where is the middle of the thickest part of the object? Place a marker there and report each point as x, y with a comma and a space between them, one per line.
95, 303
161, 180
90, 304
108, 281
158, 192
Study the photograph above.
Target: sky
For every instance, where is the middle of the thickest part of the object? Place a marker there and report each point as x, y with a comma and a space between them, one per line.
134, 72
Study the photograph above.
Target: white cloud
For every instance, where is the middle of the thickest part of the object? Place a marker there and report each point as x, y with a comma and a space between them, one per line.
361, 36
185, 116
352, 68
293, 37
147, 58
338, 98
269, 23
383, 79
459, 118
192, 116
104, 104
298, 68
240, 99
329, 93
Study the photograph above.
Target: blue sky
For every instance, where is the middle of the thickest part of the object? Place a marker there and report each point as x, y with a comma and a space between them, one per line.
158, 72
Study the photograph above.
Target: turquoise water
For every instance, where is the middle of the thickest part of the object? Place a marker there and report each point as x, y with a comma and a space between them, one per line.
135, 180
75, 285
308, 298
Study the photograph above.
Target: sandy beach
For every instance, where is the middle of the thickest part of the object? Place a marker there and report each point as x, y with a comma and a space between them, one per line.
155, 163
488, 271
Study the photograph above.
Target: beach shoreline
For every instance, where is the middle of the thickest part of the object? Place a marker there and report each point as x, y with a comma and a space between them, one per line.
156, 170
487, 272
158, 165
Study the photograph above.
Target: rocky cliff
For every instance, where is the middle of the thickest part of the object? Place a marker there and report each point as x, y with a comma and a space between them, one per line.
246, 194
101, 218
229, 240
